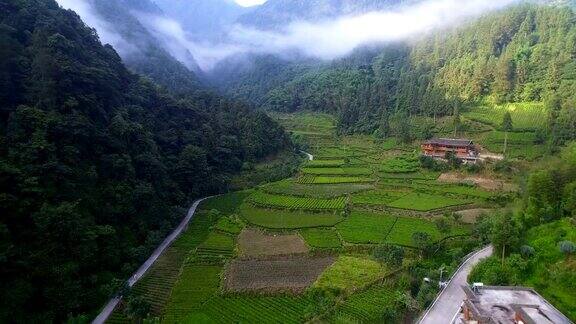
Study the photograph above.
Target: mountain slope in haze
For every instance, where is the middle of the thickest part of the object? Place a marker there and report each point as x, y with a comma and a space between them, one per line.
525, 53
149, 55
275, 14
203, 20
96, 164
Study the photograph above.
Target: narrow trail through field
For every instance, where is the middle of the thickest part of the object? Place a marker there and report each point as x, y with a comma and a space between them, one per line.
447, 303
111, 305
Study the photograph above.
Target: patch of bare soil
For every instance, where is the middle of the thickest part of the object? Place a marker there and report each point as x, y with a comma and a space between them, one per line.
290, 274
469, 216
482, 182
255, 243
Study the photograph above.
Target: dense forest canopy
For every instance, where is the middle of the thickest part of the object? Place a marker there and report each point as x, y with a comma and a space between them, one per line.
525, 53
96, 163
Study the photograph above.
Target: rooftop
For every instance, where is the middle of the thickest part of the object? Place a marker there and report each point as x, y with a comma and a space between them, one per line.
450, 142
504, 304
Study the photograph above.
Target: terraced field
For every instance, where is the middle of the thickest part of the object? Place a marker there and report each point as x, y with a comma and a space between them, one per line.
266, 200
310, 235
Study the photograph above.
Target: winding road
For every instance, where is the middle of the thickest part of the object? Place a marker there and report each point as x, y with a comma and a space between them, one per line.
111, 305
448, 302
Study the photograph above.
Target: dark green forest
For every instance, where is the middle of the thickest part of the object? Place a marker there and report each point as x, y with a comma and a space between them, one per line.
96, 163
522, 54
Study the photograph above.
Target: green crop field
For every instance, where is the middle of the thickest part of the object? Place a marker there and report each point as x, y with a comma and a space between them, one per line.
255, 309
377, 197
266, 200
277, 219
365, 227
402, 164
404, 227
337, 171
426, 202
325, 163
525, 116
369, 306
321, 238
196, 284
350, 273
335, 180
287, 187
230, 224
226, 204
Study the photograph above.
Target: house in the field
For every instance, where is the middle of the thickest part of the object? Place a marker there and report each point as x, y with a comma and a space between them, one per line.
463, 149
514, 305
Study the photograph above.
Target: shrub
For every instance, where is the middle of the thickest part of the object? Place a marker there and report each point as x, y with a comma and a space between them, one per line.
392, 255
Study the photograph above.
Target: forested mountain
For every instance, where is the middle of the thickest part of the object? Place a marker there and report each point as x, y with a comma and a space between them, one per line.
277, 13
524, 53
96, 163
148, 54
204, 20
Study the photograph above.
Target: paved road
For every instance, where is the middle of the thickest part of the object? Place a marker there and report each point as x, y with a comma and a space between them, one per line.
109, 308
310, 156
448, 302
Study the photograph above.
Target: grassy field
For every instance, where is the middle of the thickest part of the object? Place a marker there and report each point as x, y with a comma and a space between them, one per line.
266, 200
349, 273
279, 219
337, 171
365, 227
525, 116
290, 188
321, 238
425, 202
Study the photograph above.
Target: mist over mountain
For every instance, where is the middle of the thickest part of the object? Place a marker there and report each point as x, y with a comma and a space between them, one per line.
276, 14
203, 20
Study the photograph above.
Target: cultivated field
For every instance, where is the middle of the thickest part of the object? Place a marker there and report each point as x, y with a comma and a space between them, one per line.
292, 274
254, 243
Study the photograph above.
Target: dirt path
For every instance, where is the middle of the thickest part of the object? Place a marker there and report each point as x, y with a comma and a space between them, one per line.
111, 305
448, 302
310, 156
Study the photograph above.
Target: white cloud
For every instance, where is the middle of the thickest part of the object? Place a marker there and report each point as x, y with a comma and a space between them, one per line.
250, 3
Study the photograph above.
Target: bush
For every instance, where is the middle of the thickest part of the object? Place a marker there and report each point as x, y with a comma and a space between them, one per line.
392, 255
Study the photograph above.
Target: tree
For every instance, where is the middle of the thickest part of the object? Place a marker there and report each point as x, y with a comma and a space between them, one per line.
456, 119
568, 248
527, 251
506, 127
422, 241
443, 225
505, 232
138, 308
392, 255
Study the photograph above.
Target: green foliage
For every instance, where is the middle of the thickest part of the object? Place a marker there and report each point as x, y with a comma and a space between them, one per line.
274, 218
321, 238
364, 227
426, 202
262, 199
350, 273
392, 255
288, 187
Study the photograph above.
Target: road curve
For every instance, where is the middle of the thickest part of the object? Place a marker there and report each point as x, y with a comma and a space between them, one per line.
447, 303
111, 305
308, 155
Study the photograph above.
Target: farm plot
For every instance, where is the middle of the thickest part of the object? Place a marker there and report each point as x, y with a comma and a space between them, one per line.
525, 116
425, 202
321, 238
325, 163
226, 204
365, 227
196, 284
216, 248
349, 273
287, 187
263, 199
230, 224
292, 274
254, 309
377, 197
337, 171
255, 243
280, 219
342, 179
411, 176
404, 227
370, 306
401, 164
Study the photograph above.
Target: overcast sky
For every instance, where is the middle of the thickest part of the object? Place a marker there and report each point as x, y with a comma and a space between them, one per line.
249, 3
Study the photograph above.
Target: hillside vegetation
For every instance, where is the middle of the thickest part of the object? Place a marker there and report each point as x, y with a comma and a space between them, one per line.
97, 164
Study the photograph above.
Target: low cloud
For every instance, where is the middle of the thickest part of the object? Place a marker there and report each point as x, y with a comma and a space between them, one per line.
106, 32
329, 39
